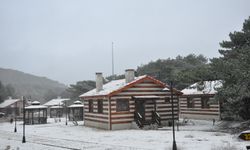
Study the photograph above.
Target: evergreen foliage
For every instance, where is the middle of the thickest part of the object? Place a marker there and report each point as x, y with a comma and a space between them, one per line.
233, 67
183, 71
79, 88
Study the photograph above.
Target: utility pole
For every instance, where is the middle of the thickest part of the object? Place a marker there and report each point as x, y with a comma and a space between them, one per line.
15, 116
172, 101
59, 113
24, 140
66, 112
113, 67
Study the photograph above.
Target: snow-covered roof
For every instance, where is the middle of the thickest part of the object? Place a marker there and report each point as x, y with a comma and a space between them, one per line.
166, 89
146, 96
56, 107
8, 102
77, 102
56, 101
35, 107
111, 87
76, 105
205, 87
35, 103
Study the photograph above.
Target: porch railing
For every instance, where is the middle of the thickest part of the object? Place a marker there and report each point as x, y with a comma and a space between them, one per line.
156, 118
139, 119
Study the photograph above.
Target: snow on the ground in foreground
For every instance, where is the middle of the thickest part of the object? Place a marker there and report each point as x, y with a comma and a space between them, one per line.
56, 135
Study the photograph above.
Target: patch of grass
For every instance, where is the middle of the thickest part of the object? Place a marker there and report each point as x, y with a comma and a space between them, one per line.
227, 147
219, 134
189, 136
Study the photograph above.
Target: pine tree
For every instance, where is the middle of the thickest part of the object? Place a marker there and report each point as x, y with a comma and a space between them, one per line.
79, 88
234, 69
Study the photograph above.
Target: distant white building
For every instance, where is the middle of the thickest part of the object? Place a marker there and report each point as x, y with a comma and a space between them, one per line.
56, 106
197, 101
56, 102
76, 111
11, 106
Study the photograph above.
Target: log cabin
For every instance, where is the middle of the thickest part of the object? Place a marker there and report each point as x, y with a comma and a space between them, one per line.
198, 102
121, 104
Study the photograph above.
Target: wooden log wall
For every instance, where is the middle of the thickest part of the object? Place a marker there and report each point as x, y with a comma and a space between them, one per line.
212, 111
95, 116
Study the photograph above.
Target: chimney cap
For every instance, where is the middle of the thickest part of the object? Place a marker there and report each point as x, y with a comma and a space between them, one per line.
98, 73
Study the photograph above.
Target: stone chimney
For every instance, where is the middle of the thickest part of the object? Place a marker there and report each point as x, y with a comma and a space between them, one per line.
129, 75
99, 82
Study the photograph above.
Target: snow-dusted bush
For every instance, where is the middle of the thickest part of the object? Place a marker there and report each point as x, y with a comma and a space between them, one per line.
227, 147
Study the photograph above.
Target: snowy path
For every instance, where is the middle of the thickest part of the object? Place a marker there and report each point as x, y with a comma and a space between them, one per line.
58, 136
56, 143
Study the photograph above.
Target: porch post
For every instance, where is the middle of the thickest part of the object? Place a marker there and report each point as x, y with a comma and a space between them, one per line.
155, 105
109, 106
39, 116
32, 116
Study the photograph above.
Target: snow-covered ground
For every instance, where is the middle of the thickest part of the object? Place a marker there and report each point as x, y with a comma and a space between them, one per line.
58, 136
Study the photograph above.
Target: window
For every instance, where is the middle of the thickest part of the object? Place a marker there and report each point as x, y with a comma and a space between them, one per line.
204, 102
190, 102
100, 106
90, 106
167, 100
122, 105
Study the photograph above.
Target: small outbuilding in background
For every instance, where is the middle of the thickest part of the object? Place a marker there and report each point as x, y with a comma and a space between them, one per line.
76, 111
11, 107
36, 113
56, 107
198, 101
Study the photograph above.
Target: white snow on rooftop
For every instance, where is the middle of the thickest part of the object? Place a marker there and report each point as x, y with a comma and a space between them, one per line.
76, 105
77, 102
111, 87
206, 87
35, 107
57, 106
146, 96
35, 103
56, 101
8, 102
166, 89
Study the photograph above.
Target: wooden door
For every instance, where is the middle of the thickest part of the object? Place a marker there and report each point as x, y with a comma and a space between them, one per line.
140, 107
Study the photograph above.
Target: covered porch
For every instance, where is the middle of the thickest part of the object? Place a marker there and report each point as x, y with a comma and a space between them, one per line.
146, 110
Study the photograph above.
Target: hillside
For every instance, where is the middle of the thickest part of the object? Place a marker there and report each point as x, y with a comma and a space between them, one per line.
39, 88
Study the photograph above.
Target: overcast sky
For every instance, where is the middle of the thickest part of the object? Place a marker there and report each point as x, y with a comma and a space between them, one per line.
70, 40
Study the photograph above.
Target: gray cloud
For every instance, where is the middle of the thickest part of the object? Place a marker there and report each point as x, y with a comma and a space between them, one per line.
70, 40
